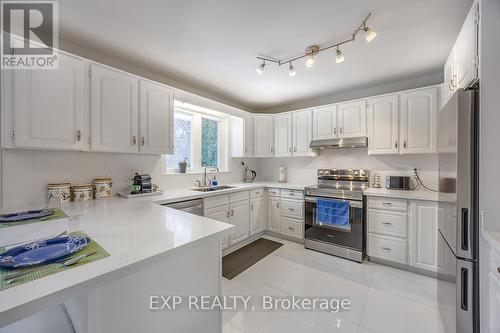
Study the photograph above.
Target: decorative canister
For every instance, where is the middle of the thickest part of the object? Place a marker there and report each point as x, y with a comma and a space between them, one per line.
59, 191
102, 187
83, 192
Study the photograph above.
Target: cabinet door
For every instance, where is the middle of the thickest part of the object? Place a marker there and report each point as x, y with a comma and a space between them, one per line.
423, 235
325, 122
263, 136
466, 50
257, 216
383, 125
302, 133
240, 218
248, 144
274, 214
352, 119
156, 118
114, 111
220, 214
283, 135
418, 132
51, 106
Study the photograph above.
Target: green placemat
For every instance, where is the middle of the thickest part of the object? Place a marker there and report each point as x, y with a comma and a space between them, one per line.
50, 269
58, 214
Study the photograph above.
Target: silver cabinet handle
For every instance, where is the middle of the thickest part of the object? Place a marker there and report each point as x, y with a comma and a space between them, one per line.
386, 248
227, 213
396, 144
78, 135
232, 212
404, 143
251, 206
387, 203
291, 228
292, 209
335, 130
498, 270
246, 149
294, 149
257, 192
271, 150
277, 205
289, 149
134, 140
387, 223
341, 130
142, 141
292, 194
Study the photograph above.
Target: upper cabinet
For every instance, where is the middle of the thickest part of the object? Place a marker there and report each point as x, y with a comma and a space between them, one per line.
49, 107
418, 123
263, 136
248, 135
114, 111
156, 118
383, 125
302, 133
325, 122
283, 135
462, 66
352, 119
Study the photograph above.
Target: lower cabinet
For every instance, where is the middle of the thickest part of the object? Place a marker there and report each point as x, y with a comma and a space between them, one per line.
220, 214
403, 231
239, 213
274, 214
258, 215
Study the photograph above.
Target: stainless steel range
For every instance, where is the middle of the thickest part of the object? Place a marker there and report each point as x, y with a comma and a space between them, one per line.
339, 196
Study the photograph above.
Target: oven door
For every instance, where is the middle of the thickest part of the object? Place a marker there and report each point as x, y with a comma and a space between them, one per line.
350, 236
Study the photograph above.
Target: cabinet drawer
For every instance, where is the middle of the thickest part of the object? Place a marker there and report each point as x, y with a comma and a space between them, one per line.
238, 196
292, 208
388, 222
216, 201
291, 228
388, 204
274, 192
256, 192
387, 248
292, 194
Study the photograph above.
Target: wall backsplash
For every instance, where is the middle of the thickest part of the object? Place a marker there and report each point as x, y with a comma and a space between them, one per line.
303, 169
25, 174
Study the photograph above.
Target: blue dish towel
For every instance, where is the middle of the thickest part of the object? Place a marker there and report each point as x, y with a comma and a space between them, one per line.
332, 212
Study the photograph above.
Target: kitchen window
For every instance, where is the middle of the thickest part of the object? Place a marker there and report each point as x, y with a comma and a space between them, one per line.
200, 137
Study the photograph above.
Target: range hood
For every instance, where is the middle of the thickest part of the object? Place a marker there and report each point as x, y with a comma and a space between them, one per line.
358, 142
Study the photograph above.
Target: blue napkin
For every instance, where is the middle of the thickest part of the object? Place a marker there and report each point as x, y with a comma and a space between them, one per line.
332, 212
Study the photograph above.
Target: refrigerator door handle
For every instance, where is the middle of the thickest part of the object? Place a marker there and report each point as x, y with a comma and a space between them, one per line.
464, 242
464, 287
465, 302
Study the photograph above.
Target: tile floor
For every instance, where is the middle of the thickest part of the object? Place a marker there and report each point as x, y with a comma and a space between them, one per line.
383, 299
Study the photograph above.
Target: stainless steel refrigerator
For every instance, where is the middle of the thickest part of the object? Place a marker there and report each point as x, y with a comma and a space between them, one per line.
458, 269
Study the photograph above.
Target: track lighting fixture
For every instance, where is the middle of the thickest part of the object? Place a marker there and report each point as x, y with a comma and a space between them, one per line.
261, 67
291, 70
312, 51
340, 57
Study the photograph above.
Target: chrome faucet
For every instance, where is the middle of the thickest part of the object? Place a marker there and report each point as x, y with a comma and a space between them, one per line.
204, 183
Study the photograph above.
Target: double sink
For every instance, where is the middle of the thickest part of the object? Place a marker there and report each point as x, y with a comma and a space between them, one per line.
212, 189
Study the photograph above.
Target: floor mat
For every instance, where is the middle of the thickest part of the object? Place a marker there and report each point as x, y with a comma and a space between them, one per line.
241, 259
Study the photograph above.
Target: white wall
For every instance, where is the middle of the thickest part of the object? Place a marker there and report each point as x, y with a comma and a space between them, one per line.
303, 169
25, 174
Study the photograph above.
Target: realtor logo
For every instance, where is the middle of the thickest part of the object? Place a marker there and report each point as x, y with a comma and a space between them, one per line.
29, 34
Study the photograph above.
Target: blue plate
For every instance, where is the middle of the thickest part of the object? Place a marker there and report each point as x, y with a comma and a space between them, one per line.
26, 215
41, 252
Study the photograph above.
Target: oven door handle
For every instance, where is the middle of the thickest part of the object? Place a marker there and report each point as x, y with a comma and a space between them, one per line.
352, 203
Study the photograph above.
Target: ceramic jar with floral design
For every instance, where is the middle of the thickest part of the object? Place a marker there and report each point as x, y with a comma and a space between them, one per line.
59, 192
102, 187
83, 192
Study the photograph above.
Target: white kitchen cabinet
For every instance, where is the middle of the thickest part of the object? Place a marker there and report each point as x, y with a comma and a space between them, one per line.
221, 214
450, 75
418, 133
50, 107
325, 122
467, 60
352, 119
263, 136
423, 234
248, 135
383, 125
113, 111
274, 214
156, 118
258, 215
302, 133
283, 135
240, 218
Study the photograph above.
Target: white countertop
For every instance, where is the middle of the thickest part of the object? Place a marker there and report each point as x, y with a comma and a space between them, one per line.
409, 195
135, 232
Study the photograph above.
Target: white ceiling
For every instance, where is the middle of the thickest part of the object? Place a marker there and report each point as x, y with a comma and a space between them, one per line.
211, 45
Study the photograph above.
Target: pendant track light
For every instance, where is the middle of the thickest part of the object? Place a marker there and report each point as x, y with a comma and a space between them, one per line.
312, 51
